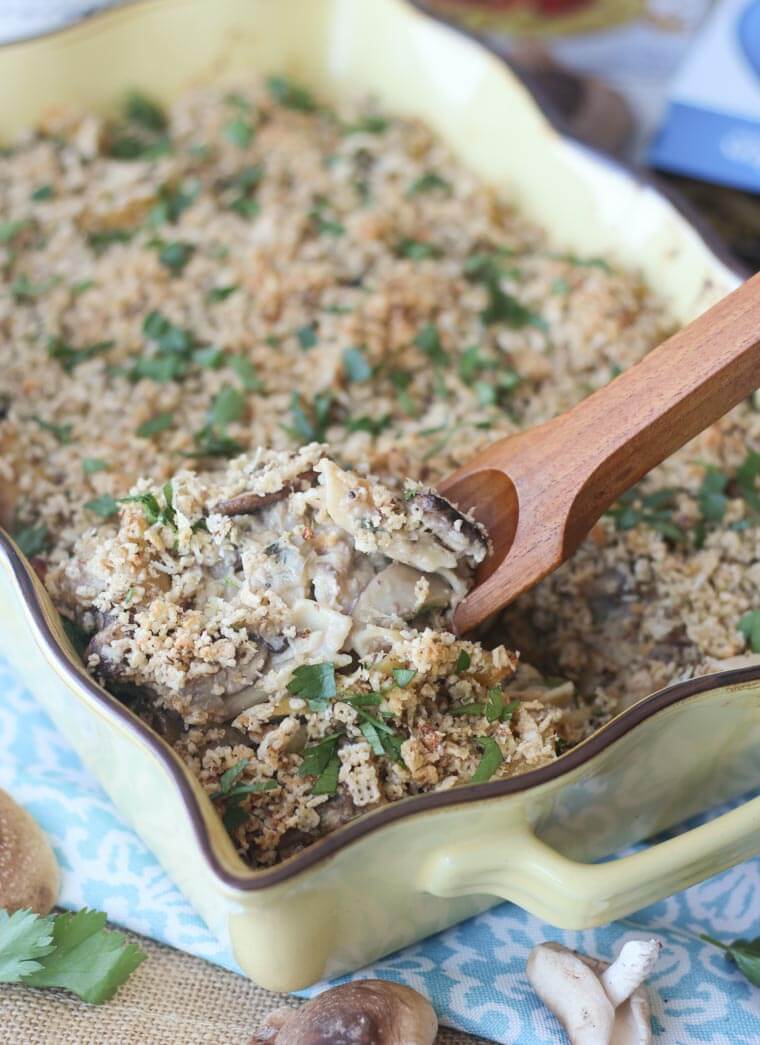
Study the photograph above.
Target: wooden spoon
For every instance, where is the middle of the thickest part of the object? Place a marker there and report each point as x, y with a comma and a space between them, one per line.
538, 493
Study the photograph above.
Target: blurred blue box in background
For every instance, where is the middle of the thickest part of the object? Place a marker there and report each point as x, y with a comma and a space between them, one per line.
711, 129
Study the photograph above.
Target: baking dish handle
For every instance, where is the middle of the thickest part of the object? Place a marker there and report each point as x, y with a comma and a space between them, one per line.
573, 895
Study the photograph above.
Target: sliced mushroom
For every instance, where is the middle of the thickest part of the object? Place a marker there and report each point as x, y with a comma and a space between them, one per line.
391, 595
247, 503
365, 1012
29, 876
572, 991
572, 996
462, 535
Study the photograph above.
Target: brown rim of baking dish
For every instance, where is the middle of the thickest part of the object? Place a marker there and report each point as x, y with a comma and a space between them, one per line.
260, 878
250, 879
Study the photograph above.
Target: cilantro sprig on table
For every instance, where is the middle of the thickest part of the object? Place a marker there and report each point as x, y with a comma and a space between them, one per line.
73, 950
745, 954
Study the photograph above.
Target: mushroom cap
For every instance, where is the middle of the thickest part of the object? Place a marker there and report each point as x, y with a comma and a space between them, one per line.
571, 990
29, 876
364, 1012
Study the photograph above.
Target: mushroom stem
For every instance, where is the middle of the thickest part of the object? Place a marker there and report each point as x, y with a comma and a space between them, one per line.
629, 970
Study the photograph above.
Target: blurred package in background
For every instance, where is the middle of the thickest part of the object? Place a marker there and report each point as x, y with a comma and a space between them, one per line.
674, 84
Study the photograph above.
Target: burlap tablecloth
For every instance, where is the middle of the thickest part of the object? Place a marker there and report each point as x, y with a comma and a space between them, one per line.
172, 999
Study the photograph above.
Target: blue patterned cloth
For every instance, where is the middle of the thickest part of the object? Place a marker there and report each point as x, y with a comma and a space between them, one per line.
473, 973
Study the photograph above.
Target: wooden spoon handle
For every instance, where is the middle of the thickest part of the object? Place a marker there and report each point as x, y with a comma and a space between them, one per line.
618, 434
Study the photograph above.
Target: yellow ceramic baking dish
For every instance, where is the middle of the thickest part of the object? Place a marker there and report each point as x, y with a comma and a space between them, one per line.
393, 876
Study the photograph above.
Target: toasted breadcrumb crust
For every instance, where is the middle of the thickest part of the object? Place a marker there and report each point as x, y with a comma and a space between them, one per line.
337, 289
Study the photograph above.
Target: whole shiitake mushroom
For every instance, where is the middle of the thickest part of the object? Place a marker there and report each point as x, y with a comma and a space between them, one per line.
28, 872
365, 1012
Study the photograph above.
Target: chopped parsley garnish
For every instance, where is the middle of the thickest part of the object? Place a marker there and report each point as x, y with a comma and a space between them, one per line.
428, 182
486, 268
43, 192
245, 372
232, 793
573, 259
321, 760
228, 406
152, 510
175, 255
72, 950
490, 760
238, 190
10, 229
463, 661
172, 202
212, 440
209, 357
141, 132
401, 379
417, 250
749, 626
307, 336
324, 226
171, 353
654, 510
221, 293
494, 708
32, 540
368, 123
81, 285
559, 286
428, 341
23, 289
158, 423
746, 477
145, 111
105, 237
105, 505
62, 433
403, 676
355, 364
70, 357
240, 131
310, 423
290, 94
373, 425
90, 465
315, 683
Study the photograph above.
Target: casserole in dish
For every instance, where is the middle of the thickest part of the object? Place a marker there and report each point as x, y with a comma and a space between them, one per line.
327, 908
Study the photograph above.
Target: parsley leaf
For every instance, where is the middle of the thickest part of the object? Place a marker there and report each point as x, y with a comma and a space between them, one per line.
417, 250
32, 540
246, 372
90, 465
403, 676
307, 336
86, 959
221, 293
373, 425
240, 131
228, 406
70, 357
322, 225
150, 506
315, 683
290, 95
490, 761
310, 425
175, 255
356, 365
172, 202
749, 626
105, 505
154, 425
25, 937
463, 661
103, 238
428, 341
232, 793
62, 433
43, 192
321, 760
427, 183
